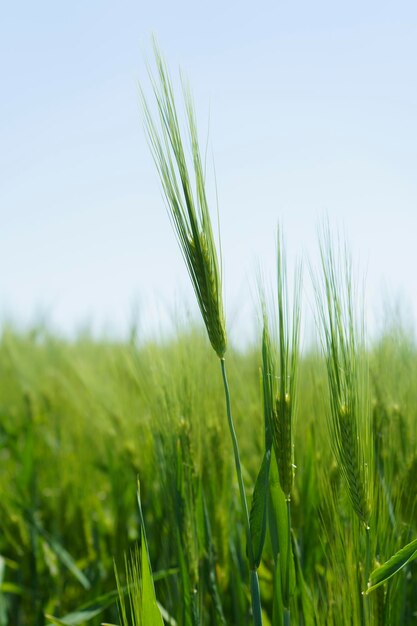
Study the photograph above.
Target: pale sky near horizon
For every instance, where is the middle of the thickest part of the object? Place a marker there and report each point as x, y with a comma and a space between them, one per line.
313, 113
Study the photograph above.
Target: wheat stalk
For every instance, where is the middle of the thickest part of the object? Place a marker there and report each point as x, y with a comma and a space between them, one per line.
349, 423
279, 373
190, 216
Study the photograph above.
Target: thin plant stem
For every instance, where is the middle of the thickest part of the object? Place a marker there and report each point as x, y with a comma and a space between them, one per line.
368, 553
237, 457
255, 597
254, 582
367, 571
287, 614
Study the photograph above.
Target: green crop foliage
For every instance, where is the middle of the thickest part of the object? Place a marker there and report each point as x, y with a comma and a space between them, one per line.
80, 421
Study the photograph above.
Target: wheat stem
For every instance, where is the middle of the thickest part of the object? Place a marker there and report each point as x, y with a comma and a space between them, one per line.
287, 613
255, 594
256, 598
366, 602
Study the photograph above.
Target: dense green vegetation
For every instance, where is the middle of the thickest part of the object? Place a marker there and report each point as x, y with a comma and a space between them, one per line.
80, 422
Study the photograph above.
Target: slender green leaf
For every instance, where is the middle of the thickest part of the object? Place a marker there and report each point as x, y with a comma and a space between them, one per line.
276, 512
258, 512
151, 612
304, 591
256, 598
140, 586
76, 618
168, 619
391, 567
278, 528
61, 553
89, 610
277, 604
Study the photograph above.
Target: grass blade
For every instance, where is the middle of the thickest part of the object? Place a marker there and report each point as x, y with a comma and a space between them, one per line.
391, 567
258, 512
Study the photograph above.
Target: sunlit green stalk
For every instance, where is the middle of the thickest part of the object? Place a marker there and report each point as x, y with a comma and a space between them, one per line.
287, 613
254, 581
236, 455
366, 602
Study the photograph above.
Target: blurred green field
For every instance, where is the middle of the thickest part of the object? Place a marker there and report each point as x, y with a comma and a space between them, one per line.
81, 420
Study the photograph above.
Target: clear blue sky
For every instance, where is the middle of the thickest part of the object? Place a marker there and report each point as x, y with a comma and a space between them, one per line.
313, 112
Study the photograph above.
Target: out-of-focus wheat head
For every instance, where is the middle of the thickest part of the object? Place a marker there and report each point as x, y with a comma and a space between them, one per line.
342, 342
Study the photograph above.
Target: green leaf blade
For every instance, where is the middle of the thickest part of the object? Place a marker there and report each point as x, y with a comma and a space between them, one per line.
258, 512
391, 567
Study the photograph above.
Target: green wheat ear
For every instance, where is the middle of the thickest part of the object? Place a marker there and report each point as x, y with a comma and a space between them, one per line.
348, 419
282, 363
186, 199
